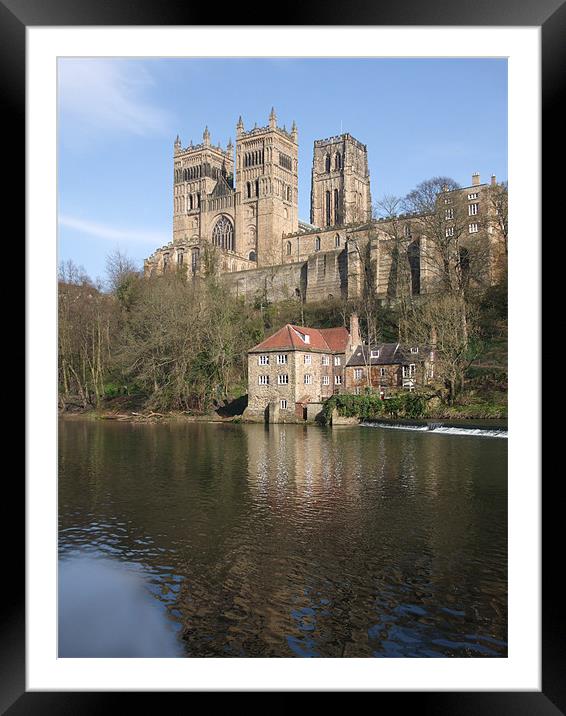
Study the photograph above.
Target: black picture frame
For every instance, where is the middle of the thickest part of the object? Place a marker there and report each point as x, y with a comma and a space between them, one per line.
550, 15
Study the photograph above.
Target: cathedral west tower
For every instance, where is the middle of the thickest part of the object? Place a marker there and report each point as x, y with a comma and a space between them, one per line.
267, 188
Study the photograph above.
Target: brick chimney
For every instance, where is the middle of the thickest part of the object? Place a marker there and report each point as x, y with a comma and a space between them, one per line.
355, 339
475, 178
493, 180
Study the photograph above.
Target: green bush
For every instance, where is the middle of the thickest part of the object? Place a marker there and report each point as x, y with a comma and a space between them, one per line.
370, 406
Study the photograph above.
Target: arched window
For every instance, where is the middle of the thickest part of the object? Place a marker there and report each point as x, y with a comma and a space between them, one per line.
336, 207
248, 190
317, 243
338, 161
252, 256
257, 187
288, 193
337, 240
328, 214
195, 253
223, 234
289, 248
327, 163
414, 256
190, 202
198, 200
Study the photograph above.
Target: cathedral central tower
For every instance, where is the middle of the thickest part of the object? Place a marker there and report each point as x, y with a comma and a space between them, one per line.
340, 192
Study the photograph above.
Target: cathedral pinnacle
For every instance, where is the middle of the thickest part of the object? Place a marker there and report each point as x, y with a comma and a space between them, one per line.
239, 127
177, 144
294, 131
272, 118
206, 136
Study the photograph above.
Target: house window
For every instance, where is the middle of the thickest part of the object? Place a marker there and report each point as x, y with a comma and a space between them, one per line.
337, 360
317, 243
409, 371
473, 209
448, 200
307, 379
325, 360
325, 380
327, 163
473, 196
449, 213
263, 380
473, 229
407, 231
450, 231
337, 241
180, 257
358, 373
337, 380
283, 379
415, 350
263, 360
281, 359
357, 391
283, 404
288, 248
382, 372
374, 353
308, 360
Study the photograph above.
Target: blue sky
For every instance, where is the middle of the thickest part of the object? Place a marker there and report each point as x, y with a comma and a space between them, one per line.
118, 119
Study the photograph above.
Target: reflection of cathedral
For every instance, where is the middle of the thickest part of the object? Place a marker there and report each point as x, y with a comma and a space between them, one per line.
241, 217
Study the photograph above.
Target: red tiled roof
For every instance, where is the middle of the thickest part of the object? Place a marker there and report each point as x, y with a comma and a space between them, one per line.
331, 340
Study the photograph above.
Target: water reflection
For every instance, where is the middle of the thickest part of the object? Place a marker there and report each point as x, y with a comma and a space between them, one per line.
292, 540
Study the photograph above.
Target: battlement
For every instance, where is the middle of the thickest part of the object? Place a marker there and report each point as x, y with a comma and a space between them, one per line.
338, 139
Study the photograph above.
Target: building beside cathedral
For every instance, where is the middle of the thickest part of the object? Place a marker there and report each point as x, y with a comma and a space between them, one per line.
235, 211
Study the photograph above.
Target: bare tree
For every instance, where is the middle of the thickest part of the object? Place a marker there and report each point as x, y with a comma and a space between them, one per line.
437, 321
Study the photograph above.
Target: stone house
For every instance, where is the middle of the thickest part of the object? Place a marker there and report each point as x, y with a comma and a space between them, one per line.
388, 367
291, 373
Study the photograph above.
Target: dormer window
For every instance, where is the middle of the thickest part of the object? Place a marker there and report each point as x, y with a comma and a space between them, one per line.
414, 350
374, 354
303, 336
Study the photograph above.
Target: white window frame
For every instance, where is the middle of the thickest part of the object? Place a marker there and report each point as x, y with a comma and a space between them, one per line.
308, 359
325, 380
263, 380
475, 195
283, 404
307, 379
449, 231
358, 373
473, 209
325, 360
337, 360
337, 380
382, 373
282, 359
448, 213
473, 229
415, 349
374, 353
283, 379
263, 360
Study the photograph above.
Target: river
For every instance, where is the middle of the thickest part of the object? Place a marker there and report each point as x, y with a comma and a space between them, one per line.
232, 540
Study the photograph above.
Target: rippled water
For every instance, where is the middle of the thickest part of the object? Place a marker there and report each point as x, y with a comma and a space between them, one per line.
295, 541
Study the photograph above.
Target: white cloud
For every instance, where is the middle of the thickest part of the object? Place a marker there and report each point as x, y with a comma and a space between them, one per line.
111, 95
102, 231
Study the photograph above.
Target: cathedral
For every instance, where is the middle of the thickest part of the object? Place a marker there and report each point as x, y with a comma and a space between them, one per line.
235, 211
